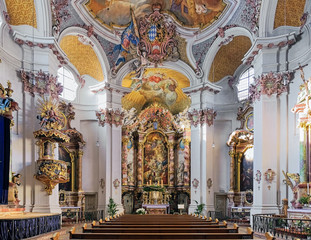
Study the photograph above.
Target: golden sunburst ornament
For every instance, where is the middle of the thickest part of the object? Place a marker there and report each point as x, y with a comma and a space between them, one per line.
49, 115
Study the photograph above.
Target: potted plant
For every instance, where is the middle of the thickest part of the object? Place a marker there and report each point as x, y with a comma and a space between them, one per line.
304, 200
199, 208
112, 207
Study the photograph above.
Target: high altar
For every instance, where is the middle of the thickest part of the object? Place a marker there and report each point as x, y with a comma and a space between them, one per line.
156, 146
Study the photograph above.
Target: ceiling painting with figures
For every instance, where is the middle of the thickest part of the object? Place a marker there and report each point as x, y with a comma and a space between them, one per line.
189, 13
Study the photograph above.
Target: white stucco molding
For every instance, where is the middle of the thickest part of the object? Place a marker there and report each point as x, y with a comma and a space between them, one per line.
100, 53
266, 17
206, 86
111, 87
43, 17
268, 43
100, 29
235, 31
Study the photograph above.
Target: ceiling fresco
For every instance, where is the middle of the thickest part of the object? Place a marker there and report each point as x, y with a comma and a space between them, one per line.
289, 13
190, 13
156, 85
22, 12
82, 55
229, 58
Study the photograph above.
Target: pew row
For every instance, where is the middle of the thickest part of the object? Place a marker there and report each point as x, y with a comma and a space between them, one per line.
177, 229
161, 235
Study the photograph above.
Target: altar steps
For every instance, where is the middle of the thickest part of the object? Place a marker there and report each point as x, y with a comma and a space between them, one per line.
160, 227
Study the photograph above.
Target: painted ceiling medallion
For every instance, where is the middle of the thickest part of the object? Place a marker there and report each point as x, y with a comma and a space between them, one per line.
190, 13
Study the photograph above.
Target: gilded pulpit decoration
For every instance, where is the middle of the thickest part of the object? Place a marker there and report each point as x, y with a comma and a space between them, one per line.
7, 104
269, 84
41, 83
49, 170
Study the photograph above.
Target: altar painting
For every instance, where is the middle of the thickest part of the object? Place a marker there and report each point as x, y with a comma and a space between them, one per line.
155, 159
247, 170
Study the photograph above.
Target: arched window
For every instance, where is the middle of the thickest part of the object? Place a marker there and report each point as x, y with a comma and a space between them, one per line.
66, 78
246, 79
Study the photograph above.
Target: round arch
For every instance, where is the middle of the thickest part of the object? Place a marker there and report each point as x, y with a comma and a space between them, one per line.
101, 55
210, 56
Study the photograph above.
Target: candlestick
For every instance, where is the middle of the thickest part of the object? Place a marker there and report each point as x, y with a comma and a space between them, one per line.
161, 182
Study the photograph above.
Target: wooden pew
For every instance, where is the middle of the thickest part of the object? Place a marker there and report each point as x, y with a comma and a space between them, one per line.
103, 225
162, 235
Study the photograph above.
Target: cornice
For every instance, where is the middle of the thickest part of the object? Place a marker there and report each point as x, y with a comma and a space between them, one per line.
207, 86
268, 43
109, 87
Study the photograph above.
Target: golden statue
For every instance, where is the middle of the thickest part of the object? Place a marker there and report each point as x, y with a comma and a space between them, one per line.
50, 116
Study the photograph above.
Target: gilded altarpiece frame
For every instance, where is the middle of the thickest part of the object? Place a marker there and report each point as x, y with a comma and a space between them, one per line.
155, 152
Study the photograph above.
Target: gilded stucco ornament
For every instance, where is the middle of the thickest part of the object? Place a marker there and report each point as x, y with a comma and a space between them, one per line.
269, 176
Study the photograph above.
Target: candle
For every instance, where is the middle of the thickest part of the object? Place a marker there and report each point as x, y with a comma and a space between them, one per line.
161, 182
149, 182
158, 183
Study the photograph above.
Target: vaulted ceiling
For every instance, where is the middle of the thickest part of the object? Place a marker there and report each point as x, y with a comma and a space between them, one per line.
229, 58
289, 13
190, 14
22, 12
82, 56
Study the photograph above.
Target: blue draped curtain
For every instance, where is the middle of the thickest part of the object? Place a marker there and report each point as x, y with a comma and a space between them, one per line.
4, 158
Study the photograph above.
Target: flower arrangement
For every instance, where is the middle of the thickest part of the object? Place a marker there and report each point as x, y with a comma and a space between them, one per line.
141, 211
151, 188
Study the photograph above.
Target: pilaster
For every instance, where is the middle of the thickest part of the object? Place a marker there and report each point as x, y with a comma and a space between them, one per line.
110, 144
266, 158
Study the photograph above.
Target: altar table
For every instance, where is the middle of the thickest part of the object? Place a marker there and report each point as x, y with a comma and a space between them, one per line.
157, 208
